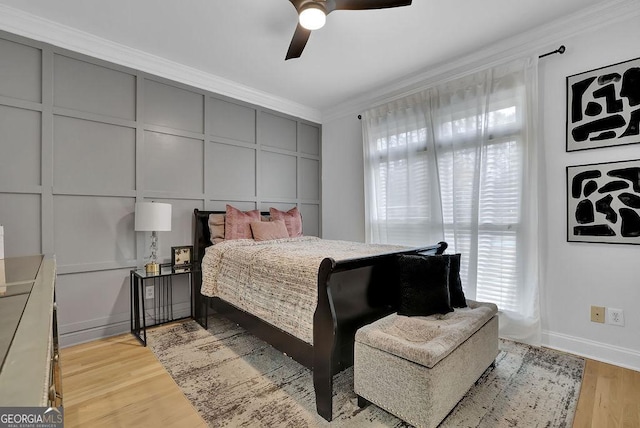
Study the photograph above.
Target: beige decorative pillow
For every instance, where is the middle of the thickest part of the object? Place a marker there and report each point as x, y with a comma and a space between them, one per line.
216, 228
237, 224
267, 230
292, 219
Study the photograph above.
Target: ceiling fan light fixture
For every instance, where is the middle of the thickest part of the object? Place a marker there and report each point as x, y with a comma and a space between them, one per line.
312, 16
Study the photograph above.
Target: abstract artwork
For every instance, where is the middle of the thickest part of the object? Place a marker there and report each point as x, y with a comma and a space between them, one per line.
603, 202
603, 107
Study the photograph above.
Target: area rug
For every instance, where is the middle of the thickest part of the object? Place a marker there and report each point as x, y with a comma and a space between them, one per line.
236, 380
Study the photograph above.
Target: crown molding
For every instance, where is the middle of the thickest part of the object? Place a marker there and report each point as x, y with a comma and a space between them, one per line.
535, 41
27, 25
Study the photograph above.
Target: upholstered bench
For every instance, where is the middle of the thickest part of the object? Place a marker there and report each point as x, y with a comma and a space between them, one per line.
418, 368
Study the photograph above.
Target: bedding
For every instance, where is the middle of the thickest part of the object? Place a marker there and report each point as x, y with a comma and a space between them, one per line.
277, 280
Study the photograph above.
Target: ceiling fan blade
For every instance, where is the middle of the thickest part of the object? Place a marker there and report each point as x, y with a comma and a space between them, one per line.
365, 4
298, 42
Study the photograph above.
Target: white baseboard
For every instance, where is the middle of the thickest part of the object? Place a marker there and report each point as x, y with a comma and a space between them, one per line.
88, 335
93, 330
611, 354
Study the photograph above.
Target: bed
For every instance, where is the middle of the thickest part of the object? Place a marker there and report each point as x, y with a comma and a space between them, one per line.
351, 292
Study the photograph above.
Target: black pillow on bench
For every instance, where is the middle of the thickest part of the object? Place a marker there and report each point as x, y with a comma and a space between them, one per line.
424, 285
456, 293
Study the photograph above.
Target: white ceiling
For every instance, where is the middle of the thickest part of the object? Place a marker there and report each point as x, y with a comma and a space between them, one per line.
245, 41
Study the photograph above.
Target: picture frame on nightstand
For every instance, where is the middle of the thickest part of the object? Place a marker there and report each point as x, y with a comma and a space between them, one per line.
181, 257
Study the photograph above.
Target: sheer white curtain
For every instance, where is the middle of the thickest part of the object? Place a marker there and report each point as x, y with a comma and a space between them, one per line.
402, 199
467, 172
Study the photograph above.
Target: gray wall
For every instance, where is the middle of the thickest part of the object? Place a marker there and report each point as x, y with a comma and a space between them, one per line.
81, 140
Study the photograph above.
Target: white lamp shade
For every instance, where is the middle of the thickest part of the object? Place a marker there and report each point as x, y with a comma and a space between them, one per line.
153, 217
312, 17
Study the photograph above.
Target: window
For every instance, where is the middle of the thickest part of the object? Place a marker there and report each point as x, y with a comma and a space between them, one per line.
486, 225
458, 162
458, 173
402, 171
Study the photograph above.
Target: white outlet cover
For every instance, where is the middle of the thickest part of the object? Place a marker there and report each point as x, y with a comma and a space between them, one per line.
615, 316
148, 292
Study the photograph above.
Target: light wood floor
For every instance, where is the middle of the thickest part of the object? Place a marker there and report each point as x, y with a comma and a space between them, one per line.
116, 382
609, 397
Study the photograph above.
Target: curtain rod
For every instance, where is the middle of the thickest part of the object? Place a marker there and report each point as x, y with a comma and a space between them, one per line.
562, 49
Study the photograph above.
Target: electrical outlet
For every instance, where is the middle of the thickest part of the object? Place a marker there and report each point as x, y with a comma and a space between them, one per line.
148, 292
597, 314
615, 316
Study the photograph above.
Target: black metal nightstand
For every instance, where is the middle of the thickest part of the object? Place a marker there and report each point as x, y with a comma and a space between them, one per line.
162, 298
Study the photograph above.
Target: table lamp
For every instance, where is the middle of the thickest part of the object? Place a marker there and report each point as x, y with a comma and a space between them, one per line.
153, 217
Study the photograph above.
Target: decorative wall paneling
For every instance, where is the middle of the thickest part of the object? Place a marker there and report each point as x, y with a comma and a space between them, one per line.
81, 140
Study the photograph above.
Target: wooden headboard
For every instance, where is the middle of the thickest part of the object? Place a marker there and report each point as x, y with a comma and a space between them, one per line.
201, 234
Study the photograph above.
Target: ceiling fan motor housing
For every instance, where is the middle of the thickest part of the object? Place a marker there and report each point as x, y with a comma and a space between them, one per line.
316, 12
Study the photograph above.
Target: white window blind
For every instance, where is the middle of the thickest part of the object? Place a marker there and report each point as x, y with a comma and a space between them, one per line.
494, 173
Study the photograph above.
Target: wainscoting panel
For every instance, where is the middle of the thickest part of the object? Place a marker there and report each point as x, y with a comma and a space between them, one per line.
82, 298
282, 206
21, 71
170, 163
309, 139
20, 133
309, 179
278, 175
235, 168
93, 229
277, 131
84, 153
83, 140
310, 219
232, 121
20, 216
173, 107
86, 87
220, 205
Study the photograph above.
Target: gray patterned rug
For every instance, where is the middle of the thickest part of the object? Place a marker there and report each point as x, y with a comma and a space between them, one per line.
236, 380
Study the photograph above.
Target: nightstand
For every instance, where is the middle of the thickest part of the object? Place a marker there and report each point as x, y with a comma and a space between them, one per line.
160, 286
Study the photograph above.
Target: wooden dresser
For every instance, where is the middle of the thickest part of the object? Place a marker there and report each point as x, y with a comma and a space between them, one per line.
29, 353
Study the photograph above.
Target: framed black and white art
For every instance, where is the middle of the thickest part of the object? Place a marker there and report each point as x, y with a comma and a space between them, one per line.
603, 202
603, 107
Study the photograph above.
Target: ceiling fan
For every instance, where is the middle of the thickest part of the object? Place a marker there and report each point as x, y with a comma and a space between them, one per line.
313, 13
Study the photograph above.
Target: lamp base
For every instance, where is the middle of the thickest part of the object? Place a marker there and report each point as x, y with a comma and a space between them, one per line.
152, 267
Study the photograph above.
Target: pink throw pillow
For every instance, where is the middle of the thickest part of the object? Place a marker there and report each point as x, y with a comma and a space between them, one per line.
267, 230
292, 219
237, 224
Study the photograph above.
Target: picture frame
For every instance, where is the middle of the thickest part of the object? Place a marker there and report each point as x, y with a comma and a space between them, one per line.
603, 202
181, 257
603, 107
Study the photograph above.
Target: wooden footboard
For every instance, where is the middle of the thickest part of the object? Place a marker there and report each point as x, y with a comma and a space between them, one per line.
351, 293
